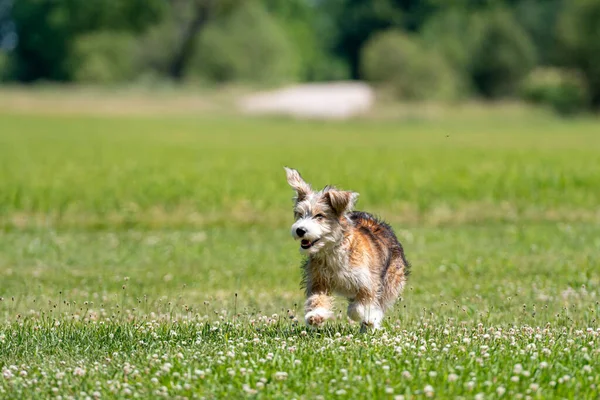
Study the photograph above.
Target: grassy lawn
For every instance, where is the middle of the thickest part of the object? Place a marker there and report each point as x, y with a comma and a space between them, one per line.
150, 256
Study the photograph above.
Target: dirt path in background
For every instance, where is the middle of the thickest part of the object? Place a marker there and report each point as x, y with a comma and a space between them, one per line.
327, 100
335, 100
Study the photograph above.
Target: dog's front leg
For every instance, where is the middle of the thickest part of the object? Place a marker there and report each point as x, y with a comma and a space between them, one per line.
317, 308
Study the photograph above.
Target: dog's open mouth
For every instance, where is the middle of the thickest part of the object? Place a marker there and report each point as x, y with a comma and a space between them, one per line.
307, 244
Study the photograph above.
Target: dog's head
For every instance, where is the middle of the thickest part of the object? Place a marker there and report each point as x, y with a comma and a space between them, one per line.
319, 214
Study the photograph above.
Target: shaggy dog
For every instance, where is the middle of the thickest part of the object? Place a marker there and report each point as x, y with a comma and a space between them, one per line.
350, 253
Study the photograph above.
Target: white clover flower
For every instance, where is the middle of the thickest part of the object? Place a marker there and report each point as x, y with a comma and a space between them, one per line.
429, 391
534, 387
452, 378
543, 364
518, 368
500, 390
514, 378
281, 376
587, 368
79, 371
246, 388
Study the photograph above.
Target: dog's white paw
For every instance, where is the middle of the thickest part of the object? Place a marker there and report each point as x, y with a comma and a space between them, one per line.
371, 325
373, 317
370, 315
317, 316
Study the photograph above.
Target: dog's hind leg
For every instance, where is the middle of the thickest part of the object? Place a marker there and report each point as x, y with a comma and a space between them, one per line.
365, 308
370, 315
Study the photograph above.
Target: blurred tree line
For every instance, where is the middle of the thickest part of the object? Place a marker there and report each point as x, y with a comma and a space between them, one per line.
545, 51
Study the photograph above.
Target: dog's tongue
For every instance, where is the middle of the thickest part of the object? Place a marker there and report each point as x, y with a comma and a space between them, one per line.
305, 242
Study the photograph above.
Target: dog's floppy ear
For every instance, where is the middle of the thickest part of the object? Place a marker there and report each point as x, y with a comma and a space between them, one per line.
341, 201
302, 188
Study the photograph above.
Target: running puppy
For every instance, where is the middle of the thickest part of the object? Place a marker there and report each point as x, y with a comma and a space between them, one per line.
350, 253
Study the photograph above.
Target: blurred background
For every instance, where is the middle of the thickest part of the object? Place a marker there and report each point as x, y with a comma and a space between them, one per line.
541, 51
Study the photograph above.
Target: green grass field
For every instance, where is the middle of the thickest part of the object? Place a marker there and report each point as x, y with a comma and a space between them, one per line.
150, 256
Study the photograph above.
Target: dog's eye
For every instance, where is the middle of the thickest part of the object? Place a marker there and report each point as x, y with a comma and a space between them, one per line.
297, 215
319, 216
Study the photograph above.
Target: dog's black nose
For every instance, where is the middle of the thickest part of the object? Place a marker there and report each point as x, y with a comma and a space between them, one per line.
300, 232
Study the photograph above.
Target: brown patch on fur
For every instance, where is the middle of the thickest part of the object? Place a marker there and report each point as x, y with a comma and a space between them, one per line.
340, 201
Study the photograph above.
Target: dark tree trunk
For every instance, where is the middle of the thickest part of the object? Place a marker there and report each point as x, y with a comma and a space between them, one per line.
202, 13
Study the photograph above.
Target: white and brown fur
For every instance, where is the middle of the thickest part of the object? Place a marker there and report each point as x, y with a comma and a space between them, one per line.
350, 253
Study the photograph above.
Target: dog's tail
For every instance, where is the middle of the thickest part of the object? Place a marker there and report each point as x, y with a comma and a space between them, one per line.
394, 279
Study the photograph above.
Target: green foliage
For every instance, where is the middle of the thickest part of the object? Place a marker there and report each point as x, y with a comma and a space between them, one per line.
43, 48
301, 21
502, 55
579, 36
247, 46
562, 90
402, 64
539, 18
488, 49
348, 24
4, 66
47, 30
156, 48
104, 58
452, 34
